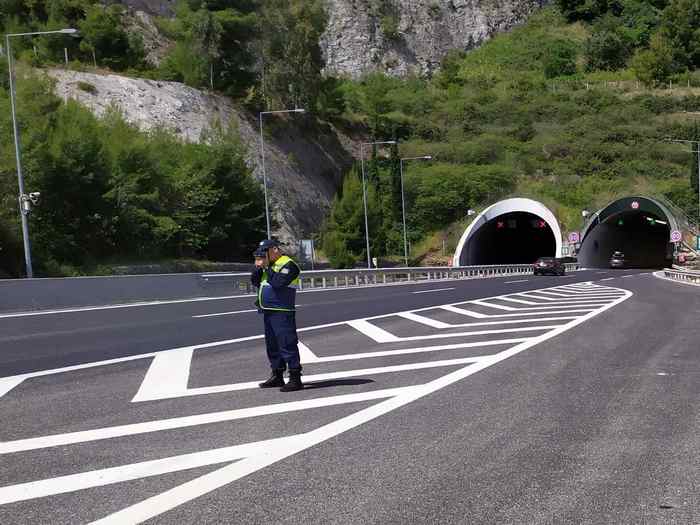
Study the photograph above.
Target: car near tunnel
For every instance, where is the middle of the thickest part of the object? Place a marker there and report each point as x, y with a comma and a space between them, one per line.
548, 265
617, 260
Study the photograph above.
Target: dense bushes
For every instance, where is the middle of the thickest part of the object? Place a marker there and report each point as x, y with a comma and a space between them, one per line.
109, 191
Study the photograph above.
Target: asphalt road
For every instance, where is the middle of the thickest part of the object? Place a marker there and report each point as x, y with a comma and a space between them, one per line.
574, 404
30, 342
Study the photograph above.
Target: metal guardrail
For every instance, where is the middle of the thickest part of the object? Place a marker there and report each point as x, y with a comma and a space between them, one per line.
354, 278
687, 276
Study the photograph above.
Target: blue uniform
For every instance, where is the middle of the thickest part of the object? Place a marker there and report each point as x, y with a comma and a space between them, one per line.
276, 300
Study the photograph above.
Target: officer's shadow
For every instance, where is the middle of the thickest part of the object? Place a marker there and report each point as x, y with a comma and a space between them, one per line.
336, 382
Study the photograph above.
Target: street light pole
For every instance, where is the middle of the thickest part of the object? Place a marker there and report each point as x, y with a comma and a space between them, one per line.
403, 204
262, 156
364, 191
23, 198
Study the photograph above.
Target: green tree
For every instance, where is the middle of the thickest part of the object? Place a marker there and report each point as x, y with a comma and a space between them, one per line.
654, 65
606, 49
292, 58
681, 27
560, 59
104, 34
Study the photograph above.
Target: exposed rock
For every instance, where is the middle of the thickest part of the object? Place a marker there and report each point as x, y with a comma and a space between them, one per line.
398, 37
155, 44
304, 160
154, 7
415, 35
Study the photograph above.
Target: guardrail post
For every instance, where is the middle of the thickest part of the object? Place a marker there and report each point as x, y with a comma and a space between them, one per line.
324, 282
335, 281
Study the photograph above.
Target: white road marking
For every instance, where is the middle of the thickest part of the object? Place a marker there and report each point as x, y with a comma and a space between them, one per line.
372, 331
424, 320
8, 383
462, 311
425, 349
168, 393
608, 279
417, 318
501, 316
306, 355
108, 476
436, 290
161, 503
71, 438
521, 281
224, 313
534, 308
600, 273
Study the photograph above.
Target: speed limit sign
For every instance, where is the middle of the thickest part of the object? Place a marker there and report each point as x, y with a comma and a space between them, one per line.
676, 236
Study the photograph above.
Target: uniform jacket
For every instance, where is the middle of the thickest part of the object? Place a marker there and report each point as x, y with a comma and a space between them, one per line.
277, 285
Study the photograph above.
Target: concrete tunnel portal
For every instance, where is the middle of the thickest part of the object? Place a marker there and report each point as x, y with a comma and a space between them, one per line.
639, 227
512, 231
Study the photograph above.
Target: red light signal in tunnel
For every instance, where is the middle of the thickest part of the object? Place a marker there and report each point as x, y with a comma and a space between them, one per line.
500, 225
541, 224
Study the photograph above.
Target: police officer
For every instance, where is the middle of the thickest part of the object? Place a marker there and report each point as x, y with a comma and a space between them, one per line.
277, 276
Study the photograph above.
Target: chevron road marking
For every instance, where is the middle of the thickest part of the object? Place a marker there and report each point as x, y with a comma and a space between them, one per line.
161, 503
168, 376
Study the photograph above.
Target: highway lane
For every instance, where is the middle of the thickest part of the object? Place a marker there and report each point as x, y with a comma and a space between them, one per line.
594, 422
36, 342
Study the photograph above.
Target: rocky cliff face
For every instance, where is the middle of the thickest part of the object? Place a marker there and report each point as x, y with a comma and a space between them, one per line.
398, 37
411, 36
304, 162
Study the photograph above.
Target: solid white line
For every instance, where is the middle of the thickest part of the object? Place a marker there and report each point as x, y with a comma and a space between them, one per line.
572, 301
534, 308
512, 282
8, 383
71, 438
167, 376
224, 313
608, 279
436, 290
504, 322
205, 484
306, 355
425, 349
117, 306
108, 476
462, 311
524, 314
424, 320
375, 333
235, 387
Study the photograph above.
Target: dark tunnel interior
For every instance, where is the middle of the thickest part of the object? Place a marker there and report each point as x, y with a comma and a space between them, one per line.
512, 238
642, 236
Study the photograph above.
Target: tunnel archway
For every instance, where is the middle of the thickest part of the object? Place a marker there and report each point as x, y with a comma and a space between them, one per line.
639, 227
512, 231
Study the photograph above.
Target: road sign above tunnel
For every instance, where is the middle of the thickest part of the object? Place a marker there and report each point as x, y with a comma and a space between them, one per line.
634, 205
676, 236
574, 237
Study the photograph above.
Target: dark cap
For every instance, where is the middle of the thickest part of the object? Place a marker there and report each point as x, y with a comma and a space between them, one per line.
261, 250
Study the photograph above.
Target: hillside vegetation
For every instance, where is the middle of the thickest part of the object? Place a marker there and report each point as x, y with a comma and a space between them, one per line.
571, 109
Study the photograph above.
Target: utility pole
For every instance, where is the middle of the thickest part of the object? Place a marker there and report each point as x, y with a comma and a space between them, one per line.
24, 199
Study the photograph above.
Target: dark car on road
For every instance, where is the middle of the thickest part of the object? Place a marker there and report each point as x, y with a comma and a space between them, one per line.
617, 260
549, 265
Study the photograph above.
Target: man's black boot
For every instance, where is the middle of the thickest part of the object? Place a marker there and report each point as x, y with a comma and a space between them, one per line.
294, 383
276, 379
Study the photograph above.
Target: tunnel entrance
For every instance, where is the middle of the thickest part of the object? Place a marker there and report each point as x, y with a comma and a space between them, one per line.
513, 238
638, 227
513, 231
